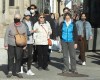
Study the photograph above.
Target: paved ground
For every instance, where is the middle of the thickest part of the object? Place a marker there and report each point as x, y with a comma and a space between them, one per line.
92, 69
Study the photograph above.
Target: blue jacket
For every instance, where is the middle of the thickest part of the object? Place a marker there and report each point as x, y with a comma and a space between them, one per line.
68, 34
79, 25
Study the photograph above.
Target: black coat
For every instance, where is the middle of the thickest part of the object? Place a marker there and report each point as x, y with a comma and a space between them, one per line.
34, 19
52, 24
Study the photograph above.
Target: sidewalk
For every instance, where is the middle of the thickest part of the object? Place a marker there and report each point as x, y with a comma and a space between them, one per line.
92, 69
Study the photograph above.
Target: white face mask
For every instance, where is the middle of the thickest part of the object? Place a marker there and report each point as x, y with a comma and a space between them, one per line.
52, 17
32, 11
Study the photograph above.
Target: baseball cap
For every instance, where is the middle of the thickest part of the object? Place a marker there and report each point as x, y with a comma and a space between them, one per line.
27, 13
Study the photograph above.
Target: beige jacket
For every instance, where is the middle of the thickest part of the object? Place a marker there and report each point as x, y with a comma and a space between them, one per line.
42, 34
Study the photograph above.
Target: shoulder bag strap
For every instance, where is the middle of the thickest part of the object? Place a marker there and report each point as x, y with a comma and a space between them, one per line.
44, 29
16, 29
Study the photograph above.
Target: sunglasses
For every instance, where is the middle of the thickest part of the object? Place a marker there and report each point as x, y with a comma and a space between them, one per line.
42, 17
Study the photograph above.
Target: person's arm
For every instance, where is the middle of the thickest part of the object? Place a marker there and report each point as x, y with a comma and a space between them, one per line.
90, 31
6, 38
26, 34
75, 35
60, 30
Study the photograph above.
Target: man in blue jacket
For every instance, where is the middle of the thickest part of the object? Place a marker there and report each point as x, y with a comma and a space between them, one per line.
84, 34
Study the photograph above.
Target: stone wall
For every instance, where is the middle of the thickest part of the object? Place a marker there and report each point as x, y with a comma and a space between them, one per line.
2, 30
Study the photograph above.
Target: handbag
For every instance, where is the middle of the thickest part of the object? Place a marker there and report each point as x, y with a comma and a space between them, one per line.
49, 40
20, 39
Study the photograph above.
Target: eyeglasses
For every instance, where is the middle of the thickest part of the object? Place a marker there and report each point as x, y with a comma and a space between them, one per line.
42, 17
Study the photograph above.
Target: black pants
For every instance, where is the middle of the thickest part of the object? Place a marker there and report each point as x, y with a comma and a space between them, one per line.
35, 55
29, 58
42, 56
14, 53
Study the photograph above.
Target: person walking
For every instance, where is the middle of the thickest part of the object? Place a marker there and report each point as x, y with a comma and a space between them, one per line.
68, 35
41, 41
14, 51
84, 35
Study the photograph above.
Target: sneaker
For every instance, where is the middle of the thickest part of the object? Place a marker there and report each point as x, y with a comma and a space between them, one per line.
19, 75
21, 70
29, 72
84, 63
74, 72
9, 75
65, 71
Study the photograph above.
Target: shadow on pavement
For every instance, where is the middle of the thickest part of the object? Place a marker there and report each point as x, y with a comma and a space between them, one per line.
72, 75
95, 58
4, 68
56, 62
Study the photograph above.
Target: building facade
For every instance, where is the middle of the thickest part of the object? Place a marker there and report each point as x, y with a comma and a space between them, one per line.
9, 7
7, 10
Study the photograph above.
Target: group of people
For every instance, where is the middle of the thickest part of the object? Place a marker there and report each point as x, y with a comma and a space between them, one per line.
38, 28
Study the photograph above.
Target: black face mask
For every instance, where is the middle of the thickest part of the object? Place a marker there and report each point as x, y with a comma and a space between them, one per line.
16, 20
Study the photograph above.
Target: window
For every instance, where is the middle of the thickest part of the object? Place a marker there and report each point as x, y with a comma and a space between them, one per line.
11, 2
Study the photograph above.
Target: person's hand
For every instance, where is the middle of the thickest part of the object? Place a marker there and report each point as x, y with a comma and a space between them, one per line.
75, 46
24, 48
34, 31
91, 37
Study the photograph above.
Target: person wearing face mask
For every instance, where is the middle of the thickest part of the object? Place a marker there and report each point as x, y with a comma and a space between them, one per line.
14, 51
34, 14
84, 35
34, 19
